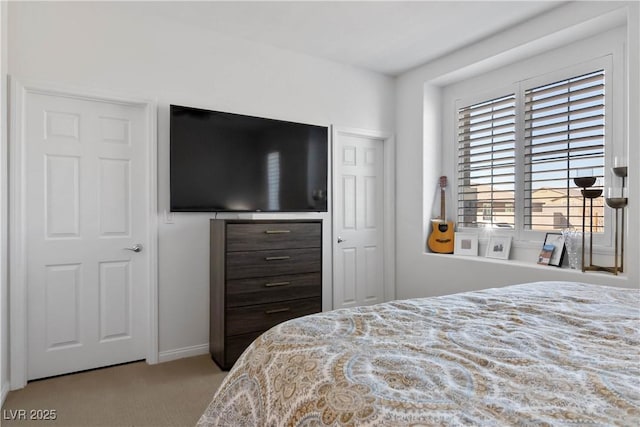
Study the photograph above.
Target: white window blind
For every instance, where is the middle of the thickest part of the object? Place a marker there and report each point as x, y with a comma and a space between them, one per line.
486, 163
564, 137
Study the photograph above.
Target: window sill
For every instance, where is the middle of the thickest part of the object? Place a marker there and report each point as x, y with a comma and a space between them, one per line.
573, 274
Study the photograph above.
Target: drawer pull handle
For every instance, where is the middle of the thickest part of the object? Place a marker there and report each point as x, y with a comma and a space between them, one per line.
272, 284
276, 258
277, 310
277, 231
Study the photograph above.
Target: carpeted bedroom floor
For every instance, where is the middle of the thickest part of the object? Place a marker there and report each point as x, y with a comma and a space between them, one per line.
136, 394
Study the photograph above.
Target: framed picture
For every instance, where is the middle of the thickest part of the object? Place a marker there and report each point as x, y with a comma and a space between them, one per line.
499, 247
545, 254
465, 244
557, 241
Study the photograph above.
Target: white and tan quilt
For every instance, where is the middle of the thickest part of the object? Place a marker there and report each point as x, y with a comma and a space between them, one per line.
545, 353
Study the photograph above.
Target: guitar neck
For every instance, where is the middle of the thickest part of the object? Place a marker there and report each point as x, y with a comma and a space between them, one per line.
442, 212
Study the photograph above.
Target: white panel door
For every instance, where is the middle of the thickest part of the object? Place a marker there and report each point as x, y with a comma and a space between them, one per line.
86, 173
358, 257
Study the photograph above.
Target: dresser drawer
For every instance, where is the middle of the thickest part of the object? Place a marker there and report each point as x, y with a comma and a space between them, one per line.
281, 235
243, 320
262, 290
272, 263
262, 273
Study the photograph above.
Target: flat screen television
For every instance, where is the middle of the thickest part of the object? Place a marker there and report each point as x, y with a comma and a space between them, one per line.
226, 162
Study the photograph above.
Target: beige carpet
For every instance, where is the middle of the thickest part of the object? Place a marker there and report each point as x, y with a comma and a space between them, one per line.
167, 394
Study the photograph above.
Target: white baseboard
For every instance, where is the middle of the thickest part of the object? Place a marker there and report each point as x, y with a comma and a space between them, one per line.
5, 391
179, 353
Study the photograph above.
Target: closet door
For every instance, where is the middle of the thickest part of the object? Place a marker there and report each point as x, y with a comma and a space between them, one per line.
358, 260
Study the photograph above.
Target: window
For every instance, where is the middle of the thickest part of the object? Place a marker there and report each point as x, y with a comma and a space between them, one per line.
518, 155
563, 138
486, 162
486, 211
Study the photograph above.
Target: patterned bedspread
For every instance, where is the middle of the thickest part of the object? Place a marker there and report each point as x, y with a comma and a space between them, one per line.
545, 353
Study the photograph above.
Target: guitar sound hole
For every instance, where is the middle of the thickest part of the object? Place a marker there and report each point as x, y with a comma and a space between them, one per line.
443, 228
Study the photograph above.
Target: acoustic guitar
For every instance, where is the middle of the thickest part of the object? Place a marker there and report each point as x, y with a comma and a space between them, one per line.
441, 238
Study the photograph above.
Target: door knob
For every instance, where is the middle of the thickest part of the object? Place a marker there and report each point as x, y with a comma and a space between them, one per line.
340, 239
135, 248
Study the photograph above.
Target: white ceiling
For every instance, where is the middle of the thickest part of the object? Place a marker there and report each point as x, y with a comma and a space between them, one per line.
389, 37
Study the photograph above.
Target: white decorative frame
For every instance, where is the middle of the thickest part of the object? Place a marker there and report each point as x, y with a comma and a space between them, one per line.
498, 247
465, 244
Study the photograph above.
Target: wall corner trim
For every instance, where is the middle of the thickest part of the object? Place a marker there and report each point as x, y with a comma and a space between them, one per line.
4, 392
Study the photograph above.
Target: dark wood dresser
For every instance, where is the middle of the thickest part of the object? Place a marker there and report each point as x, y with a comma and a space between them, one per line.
263, 272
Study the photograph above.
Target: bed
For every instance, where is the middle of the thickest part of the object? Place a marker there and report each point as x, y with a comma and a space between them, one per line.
544, 353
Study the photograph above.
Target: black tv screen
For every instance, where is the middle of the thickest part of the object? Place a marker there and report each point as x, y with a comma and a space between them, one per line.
226, 162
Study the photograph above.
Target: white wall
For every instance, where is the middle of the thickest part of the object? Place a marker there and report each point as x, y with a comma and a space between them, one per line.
4, 296
108, 46
420, 98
